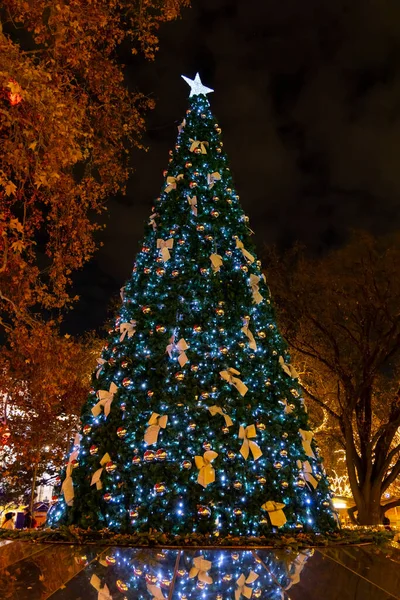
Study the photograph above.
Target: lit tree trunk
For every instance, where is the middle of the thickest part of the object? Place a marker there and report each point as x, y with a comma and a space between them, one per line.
33, 488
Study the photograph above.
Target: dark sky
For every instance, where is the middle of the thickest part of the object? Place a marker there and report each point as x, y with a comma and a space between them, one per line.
308, 98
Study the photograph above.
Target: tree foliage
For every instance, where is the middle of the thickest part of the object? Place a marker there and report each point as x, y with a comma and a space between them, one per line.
42, 409
67, 121
341, 316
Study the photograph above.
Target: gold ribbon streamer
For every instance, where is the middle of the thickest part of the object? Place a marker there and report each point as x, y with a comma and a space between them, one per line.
152, 221
254, 281
105, 400
246, 254
155, 591
307, 472
172, 183
180, 346
212, 178
182, 126
127, 329
229, 376
298, 564
200, 568
275, 513
67, 487
216, 262
165, 246
193, 204
206, 470
245, 434
96, 477
245, 329
307, 437
217, 410
122, 293
155, 423
197, 144
100, 364
288, 369
243, 589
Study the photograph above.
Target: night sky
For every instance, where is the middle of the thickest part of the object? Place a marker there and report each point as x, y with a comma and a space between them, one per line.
308, 98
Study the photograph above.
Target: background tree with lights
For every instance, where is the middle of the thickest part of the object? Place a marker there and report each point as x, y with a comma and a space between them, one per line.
195, 421
341, 316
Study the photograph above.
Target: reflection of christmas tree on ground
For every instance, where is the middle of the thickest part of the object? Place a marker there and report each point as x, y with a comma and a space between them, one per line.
195, 421
133, 574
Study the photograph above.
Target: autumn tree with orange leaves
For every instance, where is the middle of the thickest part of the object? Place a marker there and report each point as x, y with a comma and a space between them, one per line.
67, 124
67, 121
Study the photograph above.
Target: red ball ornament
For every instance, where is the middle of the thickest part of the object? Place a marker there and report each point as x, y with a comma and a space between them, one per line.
160, 271
146, 310
136, 460
161, 454
122, 586
204, 512
150, 393
186, 464
93, 449
121, 432
134, 513
145, 249
126, 382
54, 499
86, 429
124, 363
111, 560
74, 463
197, 328
147, 271
160, 488
110, 466
160, 329
175, 273
149, 456
107, 497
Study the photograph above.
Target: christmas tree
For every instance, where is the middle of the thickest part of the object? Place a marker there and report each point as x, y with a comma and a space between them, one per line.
195, 421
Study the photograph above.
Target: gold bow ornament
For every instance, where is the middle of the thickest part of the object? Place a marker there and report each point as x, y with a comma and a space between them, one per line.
128, 329
307, 437
245, 329
100, 364
306, 469
165, 246
193, 204
155, 591
288, 409
212, 178
172, 183
217, 410
155, 423
103, 592
246, 254
245, 434
180, 346
243, 589
206, 470
200, 568
67, 487
96, 477
105, 400
197, 144
216, 262
289, 369
229, 375
275, 513
254, 284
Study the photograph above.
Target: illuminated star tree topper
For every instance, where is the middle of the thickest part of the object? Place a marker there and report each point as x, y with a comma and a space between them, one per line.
196, 86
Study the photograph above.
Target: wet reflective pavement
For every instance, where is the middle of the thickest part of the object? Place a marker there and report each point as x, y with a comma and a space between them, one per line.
64, 572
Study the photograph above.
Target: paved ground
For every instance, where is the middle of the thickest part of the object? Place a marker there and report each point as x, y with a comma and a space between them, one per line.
64, 572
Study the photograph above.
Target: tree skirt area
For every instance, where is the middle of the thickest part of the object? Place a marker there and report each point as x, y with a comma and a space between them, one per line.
102, 570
